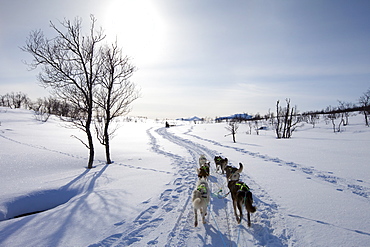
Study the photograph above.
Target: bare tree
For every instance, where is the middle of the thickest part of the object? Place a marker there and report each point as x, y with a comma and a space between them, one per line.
71, 65
365, 104
233, 127
41, 111
345, 113
257, 126
115, 94
332, 115
286, 120
311, 118
250, 125
14, 100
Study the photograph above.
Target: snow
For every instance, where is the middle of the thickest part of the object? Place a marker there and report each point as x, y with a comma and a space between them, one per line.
311, 190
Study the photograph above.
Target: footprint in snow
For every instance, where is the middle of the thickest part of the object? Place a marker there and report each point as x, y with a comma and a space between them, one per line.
120, 223
146, 215
177, 181
165, 196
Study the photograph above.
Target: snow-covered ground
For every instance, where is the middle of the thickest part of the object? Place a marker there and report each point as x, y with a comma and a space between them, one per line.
311, 190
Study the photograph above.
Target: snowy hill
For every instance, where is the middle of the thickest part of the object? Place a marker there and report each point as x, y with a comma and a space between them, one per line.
311, 190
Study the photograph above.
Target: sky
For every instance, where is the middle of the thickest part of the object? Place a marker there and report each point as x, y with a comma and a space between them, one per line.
211, 58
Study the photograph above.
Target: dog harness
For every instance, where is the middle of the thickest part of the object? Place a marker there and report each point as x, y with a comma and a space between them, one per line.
204, 192
243, 186
205, 170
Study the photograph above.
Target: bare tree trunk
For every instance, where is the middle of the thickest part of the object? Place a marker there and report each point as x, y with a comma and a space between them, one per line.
107, 141
91, 147
278, 124
234, 137
233, 128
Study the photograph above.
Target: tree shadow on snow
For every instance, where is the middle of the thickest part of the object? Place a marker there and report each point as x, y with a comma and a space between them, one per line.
77, 190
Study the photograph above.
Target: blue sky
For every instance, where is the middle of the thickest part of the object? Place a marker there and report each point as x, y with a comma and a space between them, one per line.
212, 58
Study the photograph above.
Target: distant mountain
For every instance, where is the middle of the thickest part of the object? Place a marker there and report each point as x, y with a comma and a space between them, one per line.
191, 119
242, 116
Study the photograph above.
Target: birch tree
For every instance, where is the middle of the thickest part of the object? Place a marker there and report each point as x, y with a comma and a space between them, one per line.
115, 94
70, 65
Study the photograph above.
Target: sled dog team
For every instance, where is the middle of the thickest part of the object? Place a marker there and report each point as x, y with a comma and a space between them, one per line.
240, 192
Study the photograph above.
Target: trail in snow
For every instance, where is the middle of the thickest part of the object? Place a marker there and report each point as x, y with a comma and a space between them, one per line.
229, 233
172, 211
356, 186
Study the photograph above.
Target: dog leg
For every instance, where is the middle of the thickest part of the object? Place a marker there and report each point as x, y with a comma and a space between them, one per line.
249, 219
236, 215
203, 214
240, 212
196, 218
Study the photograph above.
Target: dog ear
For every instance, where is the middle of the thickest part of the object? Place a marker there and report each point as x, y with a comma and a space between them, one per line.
240, 168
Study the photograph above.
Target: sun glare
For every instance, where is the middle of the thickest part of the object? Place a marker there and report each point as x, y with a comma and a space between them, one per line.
138, 27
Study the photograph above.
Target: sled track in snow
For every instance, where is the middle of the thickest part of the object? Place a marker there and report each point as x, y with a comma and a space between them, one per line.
183, 228
357, 187
222, 229
172, 212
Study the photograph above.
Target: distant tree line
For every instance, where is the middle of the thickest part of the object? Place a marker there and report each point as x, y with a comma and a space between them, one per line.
287, 119
15, 100
42, 107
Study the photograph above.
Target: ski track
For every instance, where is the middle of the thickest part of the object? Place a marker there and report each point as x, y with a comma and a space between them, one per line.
172, 211
355, 186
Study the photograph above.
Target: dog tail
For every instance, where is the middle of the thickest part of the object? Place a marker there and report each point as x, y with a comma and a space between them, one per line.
197, 202
248, 203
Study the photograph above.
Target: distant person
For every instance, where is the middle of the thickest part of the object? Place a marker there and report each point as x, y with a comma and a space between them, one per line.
167, 125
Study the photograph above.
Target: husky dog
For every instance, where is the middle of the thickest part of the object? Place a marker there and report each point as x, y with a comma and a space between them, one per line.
203, 172
220, 163
203, 161
201, 197
233, 173
241, 196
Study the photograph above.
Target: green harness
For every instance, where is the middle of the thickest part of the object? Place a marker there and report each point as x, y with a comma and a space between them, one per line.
204, 188
200, 187
243, 186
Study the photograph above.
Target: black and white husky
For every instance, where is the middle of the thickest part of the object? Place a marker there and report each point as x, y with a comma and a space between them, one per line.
203, 161
201, 198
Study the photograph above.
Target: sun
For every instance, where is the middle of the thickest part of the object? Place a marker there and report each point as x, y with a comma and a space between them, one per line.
138, 28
